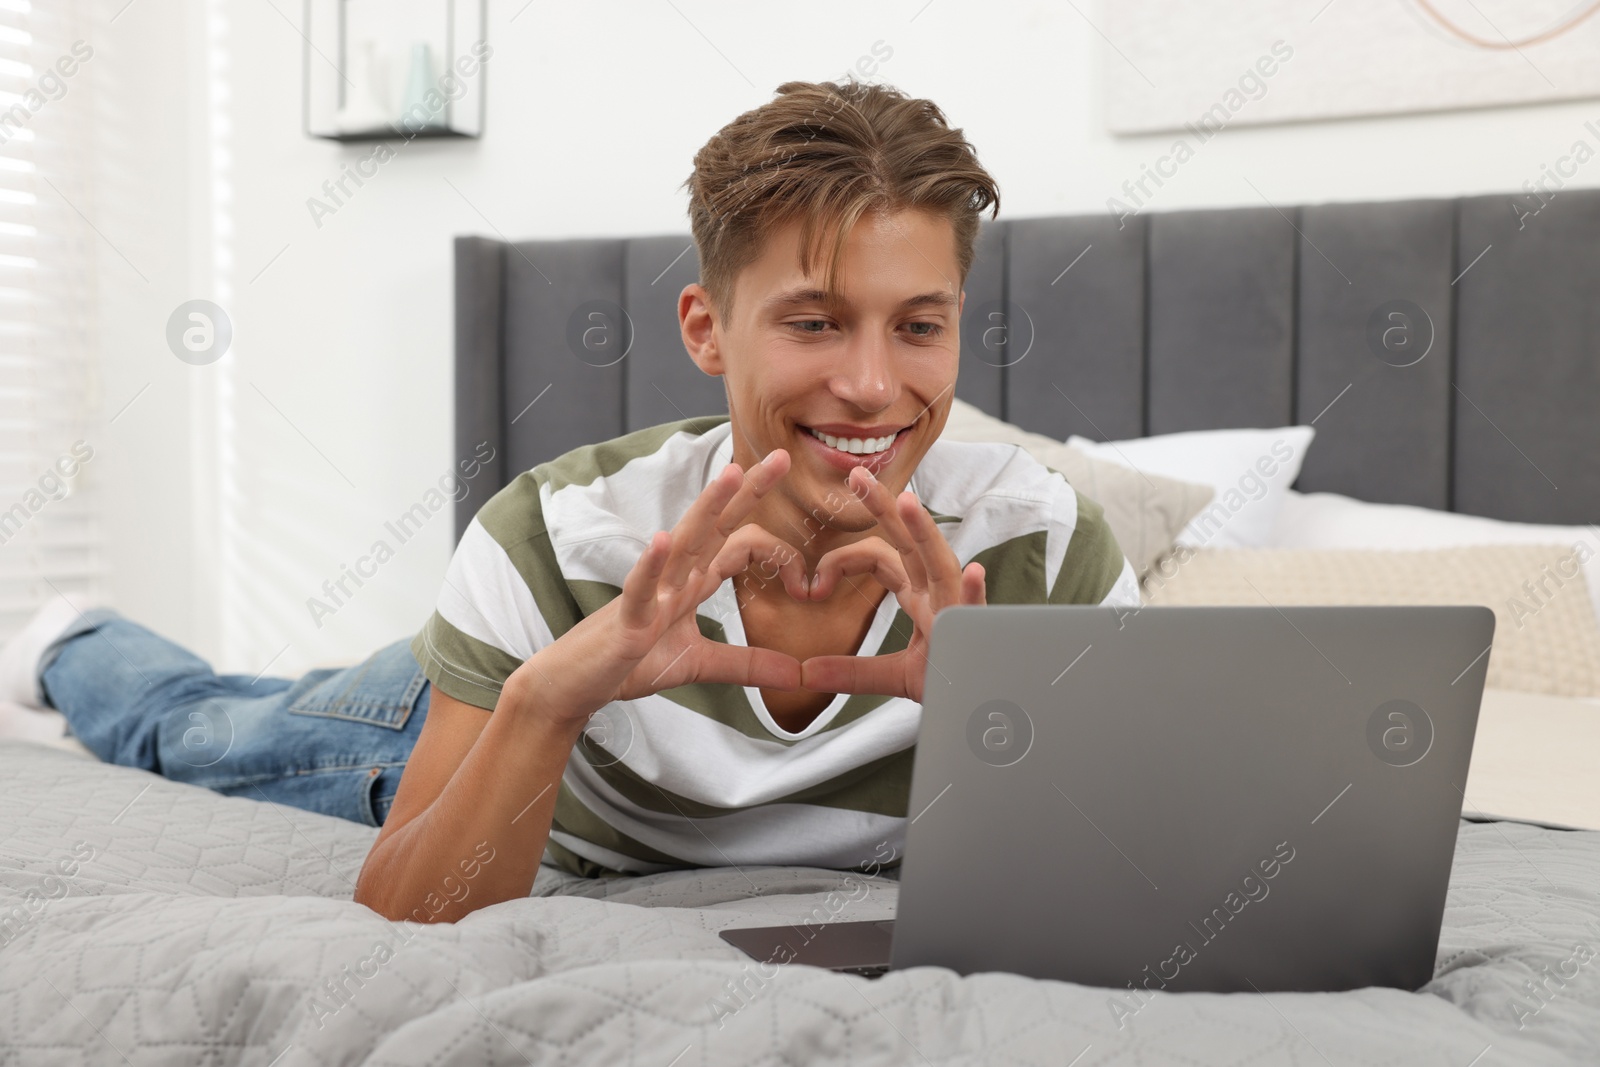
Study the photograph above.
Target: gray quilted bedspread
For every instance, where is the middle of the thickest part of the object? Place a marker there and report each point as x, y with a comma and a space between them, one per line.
143, 921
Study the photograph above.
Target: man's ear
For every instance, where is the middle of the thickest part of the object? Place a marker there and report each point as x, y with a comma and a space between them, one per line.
697, 322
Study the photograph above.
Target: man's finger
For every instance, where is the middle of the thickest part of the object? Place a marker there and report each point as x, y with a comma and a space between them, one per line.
974, 584
878, 501
694, 530
759, 479
885, 675
639, 587
708, 537
753, 546
763, 668
870, 555
938, 558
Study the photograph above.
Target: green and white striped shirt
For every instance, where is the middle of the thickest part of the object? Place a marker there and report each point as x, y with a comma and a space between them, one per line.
701, 775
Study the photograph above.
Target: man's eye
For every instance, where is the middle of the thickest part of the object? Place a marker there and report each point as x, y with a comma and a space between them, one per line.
926, 330
807, 325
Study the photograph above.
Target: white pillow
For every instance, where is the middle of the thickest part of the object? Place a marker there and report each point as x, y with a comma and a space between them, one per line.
1144, 511
1251, 471
1329, 520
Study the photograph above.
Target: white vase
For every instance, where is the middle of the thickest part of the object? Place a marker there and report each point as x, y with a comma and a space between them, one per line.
365, 109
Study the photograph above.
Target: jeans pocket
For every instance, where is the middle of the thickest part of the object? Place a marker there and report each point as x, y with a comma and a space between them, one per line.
382, 690
378, 792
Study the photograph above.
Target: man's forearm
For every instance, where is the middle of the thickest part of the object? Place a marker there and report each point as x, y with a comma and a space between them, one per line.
481, 839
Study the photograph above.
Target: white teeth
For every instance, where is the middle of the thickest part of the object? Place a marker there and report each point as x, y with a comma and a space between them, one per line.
856, 446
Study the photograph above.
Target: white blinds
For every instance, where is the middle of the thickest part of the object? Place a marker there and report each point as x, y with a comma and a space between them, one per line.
49, 537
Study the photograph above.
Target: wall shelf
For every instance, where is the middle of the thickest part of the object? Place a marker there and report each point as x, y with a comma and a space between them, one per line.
377, 70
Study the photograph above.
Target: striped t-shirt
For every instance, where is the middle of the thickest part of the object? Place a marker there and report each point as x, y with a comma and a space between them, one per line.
701, 775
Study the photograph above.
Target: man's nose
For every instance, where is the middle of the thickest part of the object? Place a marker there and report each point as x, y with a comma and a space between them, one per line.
867, 378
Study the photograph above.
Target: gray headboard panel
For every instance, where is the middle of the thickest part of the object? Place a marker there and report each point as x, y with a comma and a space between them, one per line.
1077, 289
660, 375
1527, 403
550, 397
1383, 417
1221, 320
1481, 393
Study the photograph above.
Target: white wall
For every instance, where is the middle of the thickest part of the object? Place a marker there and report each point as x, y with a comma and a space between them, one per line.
594, 114
146, 196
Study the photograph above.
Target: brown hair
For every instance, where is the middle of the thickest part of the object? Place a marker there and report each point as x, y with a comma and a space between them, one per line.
827, 153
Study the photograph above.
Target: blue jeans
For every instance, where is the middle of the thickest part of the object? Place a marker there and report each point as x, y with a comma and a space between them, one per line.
333, 741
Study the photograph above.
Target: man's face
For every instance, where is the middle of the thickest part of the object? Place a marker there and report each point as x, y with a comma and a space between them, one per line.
875, 373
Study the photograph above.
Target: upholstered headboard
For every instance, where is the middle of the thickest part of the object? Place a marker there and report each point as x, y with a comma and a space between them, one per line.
1448, 351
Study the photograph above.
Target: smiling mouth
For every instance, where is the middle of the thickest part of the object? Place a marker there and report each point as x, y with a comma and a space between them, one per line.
855, 446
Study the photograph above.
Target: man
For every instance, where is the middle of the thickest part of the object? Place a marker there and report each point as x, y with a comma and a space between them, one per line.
741, 603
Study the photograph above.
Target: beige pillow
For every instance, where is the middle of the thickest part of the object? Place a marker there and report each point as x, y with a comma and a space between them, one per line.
1546, 639
1145, 511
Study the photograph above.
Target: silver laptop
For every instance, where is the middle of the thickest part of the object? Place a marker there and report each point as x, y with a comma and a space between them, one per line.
1178, 798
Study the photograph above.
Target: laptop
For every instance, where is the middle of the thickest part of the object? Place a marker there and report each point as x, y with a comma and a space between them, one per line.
1216, 799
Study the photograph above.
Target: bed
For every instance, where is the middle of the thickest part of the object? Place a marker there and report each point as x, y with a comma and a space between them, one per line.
147, 921
196, 928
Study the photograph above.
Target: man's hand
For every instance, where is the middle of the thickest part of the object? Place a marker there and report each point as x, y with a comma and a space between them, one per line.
647, 640
914, 562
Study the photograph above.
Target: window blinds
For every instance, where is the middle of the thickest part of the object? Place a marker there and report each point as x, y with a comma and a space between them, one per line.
49, 539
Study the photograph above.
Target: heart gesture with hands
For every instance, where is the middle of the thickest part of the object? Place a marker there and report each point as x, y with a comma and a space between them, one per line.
915, 563
647, 639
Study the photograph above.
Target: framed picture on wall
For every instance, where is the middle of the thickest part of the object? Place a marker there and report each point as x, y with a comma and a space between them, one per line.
1204, 65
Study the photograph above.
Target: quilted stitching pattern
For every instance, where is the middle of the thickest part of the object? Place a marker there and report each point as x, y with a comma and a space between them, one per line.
215, 930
